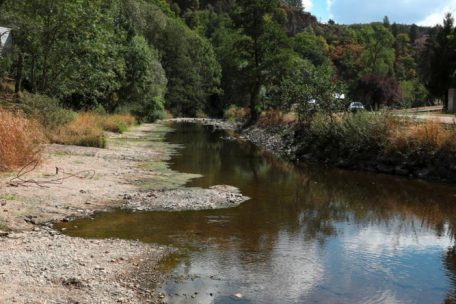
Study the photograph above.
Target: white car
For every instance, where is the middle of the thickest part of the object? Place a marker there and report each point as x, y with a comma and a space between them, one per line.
355, 107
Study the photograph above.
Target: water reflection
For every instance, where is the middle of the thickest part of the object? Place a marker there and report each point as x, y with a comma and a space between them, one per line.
309, 235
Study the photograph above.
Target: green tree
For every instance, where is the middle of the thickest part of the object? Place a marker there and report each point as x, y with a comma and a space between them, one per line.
145, 86
189, 59
295, 4
262, 50
312, 89
312, 47
386, 22
378, 55
405, 65
66, 48
440, 60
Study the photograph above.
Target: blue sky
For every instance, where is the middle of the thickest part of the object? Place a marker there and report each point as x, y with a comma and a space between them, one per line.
423, 12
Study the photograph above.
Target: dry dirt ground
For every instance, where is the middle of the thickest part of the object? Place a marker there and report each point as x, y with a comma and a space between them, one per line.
39, 265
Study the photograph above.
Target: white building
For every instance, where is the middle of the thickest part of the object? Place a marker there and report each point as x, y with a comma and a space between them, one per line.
6, 39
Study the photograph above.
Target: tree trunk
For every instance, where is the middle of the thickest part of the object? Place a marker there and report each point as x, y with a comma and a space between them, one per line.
33, 74
19, 71
254, 104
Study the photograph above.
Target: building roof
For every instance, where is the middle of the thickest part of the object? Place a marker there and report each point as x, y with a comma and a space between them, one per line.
5, 39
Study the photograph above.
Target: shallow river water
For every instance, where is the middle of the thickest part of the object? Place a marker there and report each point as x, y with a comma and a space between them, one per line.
308, 235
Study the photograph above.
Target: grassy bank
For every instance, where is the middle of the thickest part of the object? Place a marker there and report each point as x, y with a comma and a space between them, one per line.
372, 141
87, 129
33, 120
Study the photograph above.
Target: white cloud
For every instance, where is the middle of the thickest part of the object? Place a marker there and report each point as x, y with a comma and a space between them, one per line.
329, 4
400, 11
436, 17
307, 4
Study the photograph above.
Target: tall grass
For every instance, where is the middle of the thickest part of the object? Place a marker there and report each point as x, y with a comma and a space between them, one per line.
376, 137
87, 129
117, 123
429, 137
84, 130
236, 114
20, 140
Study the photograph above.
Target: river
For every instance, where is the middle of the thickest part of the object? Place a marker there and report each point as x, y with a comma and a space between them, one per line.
308, 234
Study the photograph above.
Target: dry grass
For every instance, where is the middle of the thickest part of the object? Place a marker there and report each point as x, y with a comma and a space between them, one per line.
426, 136
117, 123
20, 140
87, 129
84, 130
377, 136
276, 118
237, 114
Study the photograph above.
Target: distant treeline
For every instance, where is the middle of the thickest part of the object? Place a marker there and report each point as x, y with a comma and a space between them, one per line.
199, 57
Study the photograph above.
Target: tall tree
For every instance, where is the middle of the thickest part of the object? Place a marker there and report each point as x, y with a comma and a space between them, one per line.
263, 46
66, 47
312, 47
295, 4
441, 60
378, 52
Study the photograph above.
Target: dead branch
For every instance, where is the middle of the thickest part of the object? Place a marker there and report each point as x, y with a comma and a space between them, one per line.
20, 181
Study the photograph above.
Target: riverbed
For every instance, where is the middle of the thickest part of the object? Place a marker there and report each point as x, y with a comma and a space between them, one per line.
307, 234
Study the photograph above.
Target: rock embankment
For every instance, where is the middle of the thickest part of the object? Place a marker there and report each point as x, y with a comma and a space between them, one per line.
217, 123
44, 266
185, 199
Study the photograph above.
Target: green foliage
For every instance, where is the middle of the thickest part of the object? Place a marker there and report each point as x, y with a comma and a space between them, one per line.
312, 47
311, 90
47, 110
439, 60
145, 80
200, 57
66, 48
188, 59
378, 54
353, 137
414, 94
191, 66
263, 50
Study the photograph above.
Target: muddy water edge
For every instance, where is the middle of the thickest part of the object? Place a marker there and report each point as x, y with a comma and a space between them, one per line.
307, 235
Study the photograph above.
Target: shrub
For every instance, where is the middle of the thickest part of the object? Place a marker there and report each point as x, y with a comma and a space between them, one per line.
118, 123
376, 137
236, 114
84, 130
46, 110
20, 140
276, 118
428, 137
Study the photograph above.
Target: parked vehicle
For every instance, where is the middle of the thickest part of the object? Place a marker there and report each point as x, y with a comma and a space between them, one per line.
313, 105
356, 107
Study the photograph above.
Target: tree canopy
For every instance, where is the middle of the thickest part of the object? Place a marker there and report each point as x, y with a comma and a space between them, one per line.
199, 57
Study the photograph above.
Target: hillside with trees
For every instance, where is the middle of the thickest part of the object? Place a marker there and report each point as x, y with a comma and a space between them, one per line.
199, 57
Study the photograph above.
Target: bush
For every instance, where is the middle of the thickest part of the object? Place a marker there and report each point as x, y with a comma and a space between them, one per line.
273, 118
426, 137
84, 130
20, 140
46, 110
118, 123
373, 137
236, 114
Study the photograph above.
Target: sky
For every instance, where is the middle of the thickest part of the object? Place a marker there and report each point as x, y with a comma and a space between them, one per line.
421, 12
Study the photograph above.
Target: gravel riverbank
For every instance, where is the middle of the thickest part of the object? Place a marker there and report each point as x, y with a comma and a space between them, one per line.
43, 266
186, 199
40, 265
